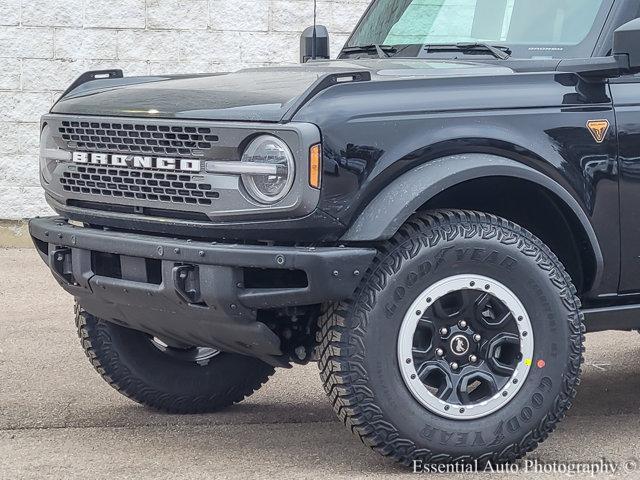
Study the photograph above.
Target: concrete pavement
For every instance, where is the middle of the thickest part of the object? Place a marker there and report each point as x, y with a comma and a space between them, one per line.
58, 419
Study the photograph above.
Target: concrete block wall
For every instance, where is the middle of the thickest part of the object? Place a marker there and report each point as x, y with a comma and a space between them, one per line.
46, 44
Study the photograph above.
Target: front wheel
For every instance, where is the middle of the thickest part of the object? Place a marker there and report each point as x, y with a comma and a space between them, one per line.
463, 344
171, 378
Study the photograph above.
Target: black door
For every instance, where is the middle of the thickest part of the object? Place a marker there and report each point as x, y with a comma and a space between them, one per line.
626, 97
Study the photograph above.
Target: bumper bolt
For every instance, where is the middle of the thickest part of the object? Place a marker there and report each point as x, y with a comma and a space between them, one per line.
335, 273
301, 353
176, 251
201, 253
473, 358
454, 366
444, 331
477, 338
439, 352
280, 259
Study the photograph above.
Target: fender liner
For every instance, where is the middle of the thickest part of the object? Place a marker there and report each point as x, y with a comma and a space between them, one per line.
386, 213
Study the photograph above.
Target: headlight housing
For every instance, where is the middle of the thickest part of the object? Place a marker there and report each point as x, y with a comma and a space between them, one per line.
50, 154
274, 169
46, 165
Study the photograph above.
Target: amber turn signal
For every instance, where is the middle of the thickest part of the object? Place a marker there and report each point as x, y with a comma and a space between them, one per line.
315, 160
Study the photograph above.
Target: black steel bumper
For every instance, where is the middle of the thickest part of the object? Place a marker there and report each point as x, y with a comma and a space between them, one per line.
192, 291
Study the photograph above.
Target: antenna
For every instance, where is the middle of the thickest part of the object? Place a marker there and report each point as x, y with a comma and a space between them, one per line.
314, 53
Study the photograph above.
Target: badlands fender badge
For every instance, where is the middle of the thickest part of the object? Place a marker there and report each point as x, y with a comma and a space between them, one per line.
598, 129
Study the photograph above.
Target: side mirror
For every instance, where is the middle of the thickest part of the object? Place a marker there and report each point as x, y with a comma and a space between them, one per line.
626, 45
314, 43
624, 58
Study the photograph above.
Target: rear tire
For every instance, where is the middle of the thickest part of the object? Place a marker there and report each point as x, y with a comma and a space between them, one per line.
360, 344
175, 382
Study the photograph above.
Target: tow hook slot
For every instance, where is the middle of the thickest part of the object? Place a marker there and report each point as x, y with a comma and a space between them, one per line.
186, 279
61, 264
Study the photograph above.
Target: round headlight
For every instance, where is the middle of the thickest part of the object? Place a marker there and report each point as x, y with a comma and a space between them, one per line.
273, 172
47, 164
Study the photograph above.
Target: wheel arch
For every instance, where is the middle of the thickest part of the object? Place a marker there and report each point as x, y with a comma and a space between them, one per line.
442, 183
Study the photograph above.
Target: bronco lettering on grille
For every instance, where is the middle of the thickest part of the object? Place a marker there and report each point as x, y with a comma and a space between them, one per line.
137, 161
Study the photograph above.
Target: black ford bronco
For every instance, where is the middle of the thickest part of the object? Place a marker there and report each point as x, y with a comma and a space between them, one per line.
436, 217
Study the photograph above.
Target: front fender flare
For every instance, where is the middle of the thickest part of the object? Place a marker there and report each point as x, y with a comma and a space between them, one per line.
384, 215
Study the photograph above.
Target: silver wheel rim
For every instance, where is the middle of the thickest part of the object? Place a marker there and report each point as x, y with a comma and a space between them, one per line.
406, 350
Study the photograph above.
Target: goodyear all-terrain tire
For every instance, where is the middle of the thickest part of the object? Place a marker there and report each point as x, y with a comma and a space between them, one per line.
174, 380
464, 342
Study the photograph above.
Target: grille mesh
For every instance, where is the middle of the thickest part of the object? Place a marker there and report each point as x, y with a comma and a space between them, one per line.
125, 137
126, 183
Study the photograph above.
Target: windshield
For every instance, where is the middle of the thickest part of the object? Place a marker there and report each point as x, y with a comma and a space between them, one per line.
530, 28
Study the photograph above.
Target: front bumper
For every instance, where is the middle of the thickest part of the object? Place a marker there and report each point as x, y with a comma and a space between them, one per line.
191, 291
315, 227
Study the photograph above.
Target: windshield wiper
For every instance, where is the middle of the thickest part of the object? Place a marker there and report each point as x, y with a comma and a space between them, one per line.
499, 52
382, 50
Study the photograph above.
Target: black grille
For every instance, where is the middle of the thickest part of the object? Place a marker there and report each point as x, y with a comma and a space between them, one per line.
124, 183
170, 140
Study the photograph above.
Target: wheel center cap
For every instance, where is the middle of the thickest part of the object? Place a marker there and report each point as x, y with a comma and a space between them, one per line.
459, 345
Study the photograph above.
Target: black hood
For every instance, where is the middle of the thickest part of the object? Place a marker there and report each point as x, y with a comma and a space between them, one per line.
264, 94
